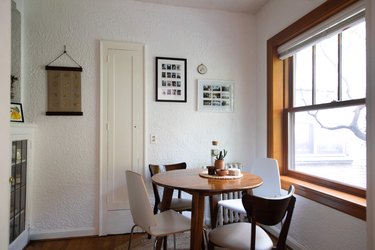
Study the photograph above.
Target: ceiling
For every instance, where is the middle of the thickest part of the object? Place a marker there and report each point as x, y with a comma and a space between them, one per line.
243, 6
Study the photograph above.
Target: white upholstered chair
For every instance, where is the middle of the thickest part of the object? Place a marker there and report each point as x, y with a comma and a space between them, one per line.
268, 170
248, 235
157, 225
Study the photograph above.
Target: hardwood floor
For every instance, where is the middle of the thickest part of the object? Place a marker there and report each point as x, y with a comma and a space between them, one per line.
112, 242
84, 243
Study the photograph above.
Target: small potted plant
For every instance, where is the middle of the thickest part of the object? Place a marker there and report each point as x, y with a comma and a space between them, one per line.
219, 162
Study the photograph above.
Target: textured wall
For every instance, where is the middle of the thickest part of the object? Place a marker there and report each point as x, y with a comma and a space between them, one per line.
16, 53
5, 49
314, 226
370, 23
66, 179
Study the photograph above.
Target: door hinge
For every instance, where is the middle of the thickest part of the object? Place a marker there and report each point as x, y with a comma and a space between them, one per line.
107, 126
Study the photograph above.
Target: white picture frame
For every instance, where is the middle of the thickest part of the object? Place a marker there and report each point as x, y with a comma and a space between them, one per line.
215, 95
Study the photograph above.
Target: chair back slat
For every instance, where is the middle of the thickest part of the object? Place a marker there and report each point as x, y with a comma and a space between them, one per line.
281, 243
155, 169
267, 211
140, 205
270, 211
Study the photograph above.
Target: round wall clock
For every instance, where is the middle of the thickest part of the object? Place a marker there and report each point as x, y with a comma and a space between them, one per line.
202, 69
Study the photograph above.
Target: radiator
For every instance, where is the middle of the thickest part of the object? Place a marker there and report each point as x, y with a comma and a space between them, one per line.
224, 215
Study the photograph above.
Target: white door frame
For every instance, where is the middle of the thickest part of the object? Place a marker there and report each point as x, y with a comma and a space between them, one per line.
138, 125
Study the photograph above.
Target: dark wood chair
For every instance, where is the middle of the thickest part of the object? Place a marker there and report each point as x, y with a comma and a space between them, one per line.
249, 235
178, 203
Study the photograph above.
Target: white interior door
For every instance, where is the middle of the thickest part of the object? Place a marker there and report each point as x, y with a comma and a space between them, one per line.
122, 130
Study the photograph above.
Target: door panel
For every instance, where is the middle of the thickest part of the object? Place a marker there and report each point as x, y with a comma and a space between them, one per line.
120, 126
121, 130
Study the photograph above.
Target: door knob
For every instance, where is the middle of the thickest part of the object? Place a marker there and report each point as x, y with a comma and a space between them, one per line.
11, 180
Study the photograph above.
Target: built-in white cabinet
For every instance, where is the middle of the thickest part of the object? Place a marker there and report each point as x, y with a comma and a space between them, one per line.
20, 183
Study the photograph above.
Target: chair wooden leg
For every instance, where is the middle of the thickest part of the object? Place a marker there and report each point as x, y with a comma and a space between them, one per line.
210, 246
158, 241
174, 241
155, 209
165, 242
155, 243
204, 239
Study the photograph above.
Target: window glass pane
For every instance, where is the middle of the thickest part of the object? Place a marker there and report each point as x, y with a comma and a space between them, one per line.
326, 70
354, 62
303, 77
331, 144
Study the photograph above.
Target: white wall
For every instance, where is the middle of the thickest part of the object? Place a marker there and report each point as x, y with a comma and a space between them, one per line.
370, 22
66, 177
4, 122
66, 162
271, 19
314, 226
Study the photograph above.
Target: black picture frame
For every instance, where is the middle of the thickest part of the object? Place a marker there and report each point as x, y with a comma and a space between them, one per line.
171, 79
16, 112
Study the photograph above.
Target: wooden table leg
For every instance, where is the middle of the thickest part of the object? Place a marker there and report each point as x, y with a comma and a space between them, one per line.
197, 215
213, 210
165, 205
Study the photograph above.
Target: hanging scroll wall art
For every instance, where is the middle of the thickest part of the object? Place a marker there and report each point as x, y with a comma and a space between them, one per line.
64, 89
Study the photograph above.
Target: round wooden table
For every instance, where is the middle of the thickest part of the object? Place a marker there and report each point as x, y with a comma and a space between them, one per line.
189, 180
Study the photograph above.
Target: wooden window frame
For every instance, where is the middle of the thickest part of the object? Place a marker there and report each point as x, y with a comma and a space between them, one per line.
341, 197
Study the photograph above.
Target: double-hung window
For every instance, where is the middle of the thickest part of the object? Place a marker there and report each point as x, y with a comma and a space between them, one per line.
322, 115
327, 113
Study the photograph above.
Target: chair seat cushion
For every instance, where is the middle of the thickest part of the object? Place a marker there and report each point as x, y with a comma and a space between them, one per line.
233, 204
169, 222
179, 204
238, 236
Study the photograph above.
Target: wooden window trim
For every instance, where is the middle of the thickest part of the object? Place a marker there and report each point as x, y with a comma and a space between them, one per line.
344, 202
330, 105
343, 198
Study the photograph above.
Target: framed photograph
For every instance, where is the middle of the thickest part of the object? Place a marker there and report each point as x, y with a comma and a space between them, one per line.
170, 79
215, 95
16, 112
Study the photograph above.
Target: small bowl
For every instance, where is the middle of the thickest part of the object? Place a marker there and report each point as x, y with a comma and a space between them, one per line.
234, 172
222, 172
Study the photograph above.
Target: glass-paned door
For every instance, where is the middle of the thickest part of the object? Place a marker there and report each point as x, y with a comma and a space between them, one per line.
18, 189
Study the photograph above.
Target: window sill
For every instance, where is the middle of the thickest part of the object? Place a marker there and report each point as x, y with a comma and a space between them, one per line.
346, 203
